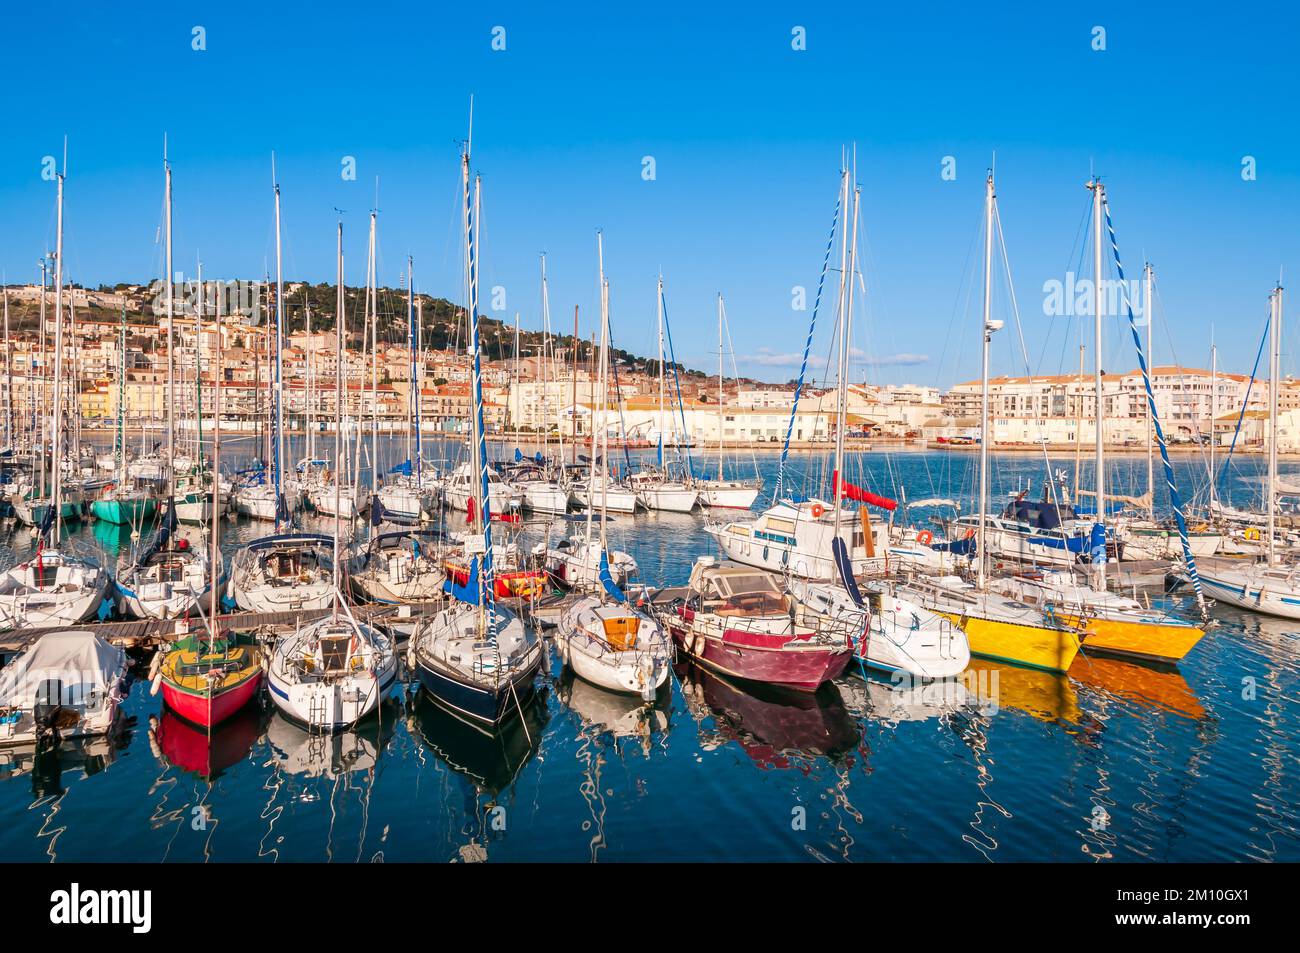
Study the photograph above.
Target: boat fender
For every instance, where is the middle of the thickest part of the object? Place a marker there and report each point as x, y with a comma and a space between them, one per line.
925, 537
155, 673
970, 533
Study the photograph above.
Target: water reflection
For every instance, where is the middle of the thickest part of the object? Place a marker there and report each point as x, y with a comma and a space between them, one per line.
205, 753
775, 729
483, 764
315, 754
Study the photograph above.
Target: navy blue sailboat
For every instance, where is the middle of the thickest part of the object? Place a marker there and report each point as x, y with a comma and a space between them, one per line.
476, 658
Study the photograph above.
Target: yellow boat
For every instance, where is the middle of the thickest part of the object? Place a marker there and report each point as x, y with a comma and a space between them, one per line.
1153, 640
1036, 646
996, 626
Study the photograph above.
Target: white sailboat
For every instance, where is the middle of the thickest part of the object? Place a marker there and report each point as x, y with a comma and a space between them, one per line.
284, 571
1270, 587
331, 673
601, 637
476, 658
55, 587
720, 492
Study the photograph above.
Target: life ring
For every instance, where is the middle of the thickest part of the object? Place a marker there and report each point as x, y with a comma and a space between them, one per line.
1252, 533
925, 537
818, 511
970, 533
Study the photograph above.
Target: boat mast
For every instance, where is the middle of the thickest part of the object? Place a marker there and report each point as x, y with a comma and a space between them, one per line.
307, 352
720, 453
659, 317
278, 447
374, 363
599, 459
842, 387
1099, 410
171, 321
57, 475
216, 468
1275, 362
338, 413
1214, 391
987, 336
603, 377
1148, 275
9, 380
37, 402
573, 410
410, 344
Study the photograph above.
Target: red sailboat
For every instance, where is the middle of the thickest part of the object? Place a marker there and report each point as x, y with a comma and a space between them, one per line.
736, 620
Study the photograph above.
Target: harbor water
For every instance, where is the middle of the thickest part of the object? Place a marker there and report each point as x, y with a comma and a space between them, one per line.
1113, 762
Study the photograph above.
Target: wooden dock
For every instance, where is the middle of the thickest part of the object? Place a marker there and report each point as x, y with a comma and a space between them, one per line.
150, 633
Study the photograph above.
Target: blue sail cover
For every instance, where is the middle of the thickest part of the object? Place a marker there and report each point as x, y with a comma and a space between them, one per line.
845, 567
1075, 544
468, 593
607, 580
404, 468
1097, 544
962, 547
519, 455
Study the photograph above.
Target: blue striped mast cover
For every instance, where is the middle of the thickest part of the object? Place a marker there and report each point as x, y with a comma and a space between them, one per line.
807, 347
1174, 499
487, 586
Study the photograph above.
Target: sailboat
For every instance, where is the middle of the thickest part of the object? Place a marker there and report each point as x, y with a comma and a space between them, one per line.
127, 502
1271, 587
601, 637
55, 587
475, 657
890, 633
170, 577
1109, 623
331, 673
284, 571
543, 488
722, 493
655, 487
405, 495
996, 626
208, 676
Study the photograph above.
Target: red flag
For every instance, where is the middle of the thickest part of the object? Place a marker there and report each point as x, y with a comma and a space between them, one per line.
857, 493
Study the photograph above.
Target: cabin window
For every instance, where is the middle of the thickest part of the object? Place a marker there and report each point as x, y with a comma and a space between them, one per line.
780, 525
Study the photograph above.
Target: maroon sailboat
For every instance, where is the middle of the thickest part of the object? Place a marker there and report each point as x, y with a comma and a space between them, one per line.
736, 620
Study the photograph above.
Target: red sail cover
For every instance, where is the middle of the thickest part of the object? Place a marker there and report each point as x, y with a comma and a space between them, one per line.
853, 492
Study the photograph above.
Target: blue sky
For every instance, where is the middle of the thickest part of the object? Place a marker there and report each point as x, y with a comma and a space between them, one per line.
746, 134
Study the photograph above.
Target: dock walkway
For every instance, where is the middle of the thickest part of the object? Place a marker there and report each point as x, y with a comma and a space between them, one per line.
148, 633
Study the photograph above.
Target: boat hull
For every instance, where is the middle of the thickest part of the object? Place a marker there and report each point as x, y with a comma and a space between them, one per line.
729, 498
1143, 640
1052, 650
124, 512
734, 654
205, 710
478, 703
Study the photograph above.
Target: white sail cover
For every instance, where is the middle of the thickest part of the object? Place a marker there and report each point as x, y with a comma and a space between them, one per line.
82, 661
1286, 487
